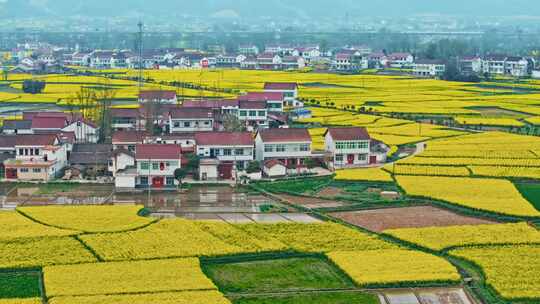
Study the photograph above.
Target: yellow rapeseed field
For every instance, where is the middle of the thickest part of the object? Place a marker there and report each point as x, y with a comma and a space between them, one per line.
401, 169
16, 226
185, 297
126, 277
494, 195
439, 238
511, 270
370, 174
43, 251
321, 237
386, 267
21, 301
89, 218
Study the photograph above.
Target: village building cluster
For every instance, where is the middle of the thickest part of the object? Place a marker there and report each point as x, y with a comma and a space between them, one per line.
348, 59
43, 146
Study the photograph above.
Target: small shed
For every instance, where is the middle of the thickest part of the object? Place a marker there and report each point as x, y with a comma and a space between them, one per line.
275, 168
208, 169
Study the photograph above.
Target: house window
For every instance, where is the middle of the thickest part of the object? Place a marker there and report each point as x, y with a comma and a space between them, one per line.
23, 170
239, 152
227, 152
155, 166
170, 181
280, 148
36, 170
339, 158
268, 148
36, 151
304, 147
187, 124
78, 124
145, 166
362, 157
21, 151
144, 180
243, 113
252, 113
262, 113
206, 123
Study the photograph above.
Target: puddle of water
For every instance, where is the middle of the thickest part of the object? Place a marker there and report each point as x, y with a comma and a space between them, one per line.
425, 296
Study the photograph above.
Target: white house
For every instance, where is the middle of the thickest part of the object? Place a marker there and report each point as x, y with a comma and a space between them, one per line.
232, 147
429, 68
494, 64
39, 157
536, 74
248, 49
274, 100
352, 146
290, 146
156, 165
293, 63
85, 131
307, 53
470, 65
289, 90
516, 66
254, 114
190, 120
158, 96
274, 168
121, 160
127, 139
127, 119
400, 60
269, 61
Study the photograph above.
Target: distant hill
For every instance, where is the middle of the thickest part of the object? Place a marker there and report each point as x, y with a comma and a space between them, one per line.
270, 8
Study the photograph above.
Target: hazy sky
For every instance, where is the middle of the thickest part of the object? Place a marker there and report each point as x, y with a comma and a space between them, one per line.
253, 8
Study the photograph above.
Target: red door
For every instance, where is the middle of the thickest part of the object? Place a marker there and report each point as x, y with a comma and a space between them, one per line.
158, 182
225, 170
372, 160
350, 159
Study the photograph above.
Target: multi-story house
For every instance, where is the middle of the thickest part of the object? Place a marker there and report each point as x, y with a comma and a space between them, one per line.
269, 61
84, 130
38, 158
349, 61
290, 146
248, 49
494, 64
429, 68
228, 148
517, 66
127, 119
229, 61
289, 90
470, 65
254, 114
158, 96
127, 139
156, 165
190, 120
293, 63
348, 146
274, 100
400, 60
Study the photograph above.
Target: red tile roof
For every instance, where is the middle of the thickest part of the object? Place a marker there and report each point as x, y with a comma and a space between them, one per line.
35, 140
39, 122
285, 135
280, 86
188, 113
157, 95
128, 137
224, 139
259, 104
272, 163
155, 151
349, 133
8, 141
210, 103
262, 96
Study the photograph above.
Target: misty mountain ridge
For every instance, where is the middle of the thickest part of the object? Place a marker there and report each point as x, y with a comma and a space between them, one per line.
268, 8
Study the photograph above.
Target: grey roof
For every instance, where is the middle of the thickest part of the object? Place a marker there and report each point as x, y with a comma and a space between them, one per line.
89, 158
17, 124
93, 148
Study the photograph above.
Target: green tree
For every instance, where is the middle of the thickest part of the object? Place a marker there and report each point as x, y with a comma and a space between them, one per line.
33, 86
253, 167
231, 123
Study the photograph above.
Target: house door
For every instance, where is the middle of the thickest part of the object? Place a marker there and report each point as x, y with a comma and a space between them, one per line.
350, 159
158, 182
372, 160
225, 170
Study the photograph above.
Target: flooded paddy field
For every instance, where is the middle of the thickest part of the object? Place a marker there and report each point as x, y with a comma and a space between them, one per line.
223, 203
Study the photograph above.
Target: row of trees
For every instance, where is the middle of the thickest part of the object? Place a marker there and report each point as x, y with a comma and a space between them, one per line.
33, 86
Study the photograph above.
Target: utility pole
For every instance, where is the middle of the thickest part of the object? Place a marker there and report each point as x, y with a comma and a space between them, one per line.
140, 43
